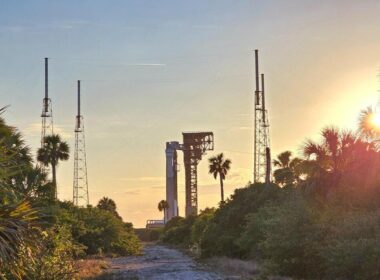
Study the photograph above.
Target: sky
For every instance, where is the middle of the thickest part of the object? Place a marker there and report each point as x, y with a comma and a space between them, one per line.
153, 69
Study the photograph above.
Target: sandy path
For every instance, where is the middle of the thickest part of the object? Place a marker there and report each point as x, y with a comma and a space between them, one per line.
159, 262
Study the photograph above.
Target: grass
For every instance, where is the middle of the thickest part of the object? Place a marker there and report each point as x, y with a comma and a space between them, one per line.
238, 269
90, 268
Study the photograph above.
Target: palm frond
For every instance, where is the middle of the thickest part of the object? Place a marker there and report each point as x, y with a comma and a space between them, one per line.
311, 148
17, 223
365, 125
331, 140
283, 159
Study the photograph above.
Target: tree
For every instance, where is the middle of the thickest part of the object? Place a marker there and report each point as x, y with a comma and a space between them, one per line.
52, 152
100, 231
326, 160
219, 167
288, 171
109, 205
339, 157
163, 205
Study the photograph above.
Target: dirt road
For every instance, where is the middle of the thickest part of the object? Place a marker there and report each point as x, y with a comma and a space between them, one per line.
159, 262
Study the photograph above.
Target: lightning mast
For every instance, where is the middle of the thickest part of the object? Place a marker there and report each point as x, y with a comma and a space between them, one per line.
80, 185
47, 111
262, 157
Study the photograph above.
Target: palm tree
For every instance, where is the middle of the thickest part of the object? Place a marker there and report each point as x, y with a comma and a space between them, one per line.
31, 181
52, 152
163, 205
219, 166
327, 154
340, 157
17, 153
109, 205
288, 170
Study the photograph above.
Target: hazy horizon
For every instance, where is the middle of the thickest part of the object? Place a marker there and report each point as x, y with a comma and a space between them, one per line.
152, 70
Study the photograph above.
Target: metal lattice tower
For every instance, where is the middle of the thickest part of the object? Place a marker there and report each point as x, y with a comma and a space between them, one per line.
194, 147
47, 110
80, 185
262, 157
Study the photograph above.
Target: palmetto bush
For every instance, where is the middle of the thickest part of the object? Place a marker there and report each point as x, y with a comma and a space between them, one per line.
17, 232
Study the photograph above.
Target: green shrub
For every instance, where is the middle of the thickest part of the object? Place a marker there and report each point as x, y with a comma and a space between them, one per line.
178, 231
149, 234
54, 260
352, 247
222, 234
201, 224
288, 237
298, 239
100, 231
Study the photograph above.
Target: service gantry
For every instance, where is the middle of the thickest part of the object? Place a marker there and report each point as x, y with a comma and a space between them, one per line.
195, 145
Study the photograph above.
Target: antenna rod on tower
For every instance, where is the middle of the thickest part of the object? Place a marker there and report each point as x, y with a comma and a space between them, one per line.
78, 114
46, 100
263, 98
46, 78
78, 97
47, 112
257, 77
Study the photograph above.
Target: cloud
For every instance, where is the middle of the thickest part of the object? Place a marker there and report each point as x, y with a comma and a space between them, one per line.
65, 25
239, 175
132, 192
83, 23
157, 187
146, 64
141, 179
34, 129
13, 28
181, 24
243, 128
205, 26
140, 64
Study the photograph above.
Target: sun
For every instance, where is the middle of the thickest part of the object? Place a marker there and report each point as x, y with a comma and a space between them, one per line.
376, 120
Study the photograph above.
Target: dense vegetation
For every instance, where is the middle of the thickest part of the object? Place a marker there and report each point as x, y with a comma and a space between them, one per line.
40, 237
320, 219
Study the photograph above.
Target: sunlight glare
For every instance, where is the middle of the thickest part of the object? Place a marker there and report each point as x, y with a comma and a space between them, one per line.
376, 120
